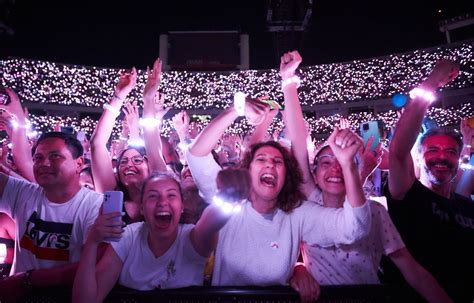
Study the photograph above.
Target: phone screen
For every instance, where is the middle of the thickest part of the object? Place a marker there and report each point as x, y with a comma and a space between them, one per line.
370, 129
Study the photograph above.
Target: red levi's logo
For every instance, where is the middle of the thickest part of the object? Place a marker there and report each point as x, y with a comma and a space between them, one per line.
47, 240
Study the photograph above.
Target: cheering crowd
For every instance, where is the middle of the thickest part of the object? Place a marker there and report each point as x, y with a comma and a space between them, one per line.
212, 208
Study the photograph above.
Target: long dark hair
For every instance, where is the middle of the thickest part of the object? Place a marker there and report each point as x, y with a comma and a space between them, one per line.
290, 196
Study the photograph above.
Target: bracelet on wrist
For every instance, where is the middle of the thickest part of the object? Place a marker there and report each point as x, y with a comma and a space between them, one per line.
239, 103
292, 79
149, 122
110, 108
424, 94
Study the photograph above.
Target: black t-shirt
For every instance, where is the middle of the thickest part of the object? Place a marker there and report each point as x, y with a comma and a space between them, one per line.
438, 232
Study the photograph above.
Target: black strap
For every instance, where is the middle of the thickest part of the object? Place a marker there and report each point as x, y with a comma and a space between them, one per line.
7, 242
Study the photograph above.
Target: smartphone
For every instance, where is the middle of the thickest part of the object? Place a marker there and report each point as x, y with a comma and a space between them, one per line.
371, 129
4, 97
272, 104
113, 202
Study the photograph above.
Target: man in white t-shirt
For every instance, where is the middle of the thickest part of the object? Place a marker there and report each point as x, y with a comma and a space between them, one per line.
52, 217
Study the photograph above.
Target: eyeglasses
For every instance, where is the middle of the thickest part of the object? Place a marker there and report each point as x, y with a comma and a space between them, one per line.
136, 160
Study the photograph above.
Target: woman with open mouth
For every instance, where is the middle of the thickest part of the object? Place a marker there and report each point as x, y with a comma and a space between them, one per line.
260, 244
330, 187
157, 253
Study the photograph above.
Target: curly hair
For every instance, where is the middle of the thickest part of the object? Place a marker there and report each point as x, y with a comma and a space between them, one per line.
290, 196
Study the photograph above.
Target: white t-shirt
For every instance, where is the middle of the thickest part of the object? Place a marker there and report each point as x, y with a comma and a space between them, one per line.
253, 250
181, 266
355, 263
48, 234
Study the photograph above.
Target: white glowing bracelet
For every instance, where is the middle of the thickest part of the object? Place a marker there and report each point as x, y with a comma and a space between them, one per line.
136, 143
466, 166
112, 109
225, 206
418, 92
149, 122
292, 79
239, 103
15, 124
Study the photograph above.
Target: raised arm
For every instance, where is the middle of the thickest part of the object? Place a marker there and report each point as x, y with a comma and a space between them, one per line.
294, 117
93, 282
101, 163
465, 178
261, 130
21, 148
402, 174
345, 144
208, 138
153, 113
233, 187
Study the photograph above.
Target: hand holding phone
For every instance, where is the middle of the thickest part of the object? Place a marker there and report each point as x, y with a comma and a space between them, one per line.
113, 202
370, 129
272, 103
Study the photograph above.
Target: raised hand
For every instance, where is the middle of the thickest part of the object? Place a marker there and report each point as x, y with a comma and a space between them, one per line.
289, 62
233, 184
443, 72
14, 107
131, 115
181, 123
255, 110
370, 160
160, 109
153, 81
106, 226
467, 131
344, 144
344, 123
126, 83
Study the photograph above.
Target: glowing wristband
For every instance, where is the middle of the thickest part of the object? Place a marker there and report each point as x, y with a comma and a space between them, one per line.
183, 145
239, 103
418, 92
293, 79
112, 109
16, 125
466, 166
225, 206
136, 143
149, 122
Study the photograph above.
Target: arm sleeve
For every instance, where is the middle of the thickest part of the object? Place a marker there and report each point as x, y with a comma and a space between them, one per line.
204, 171
17, 196
326, 226
389, 236
94, 202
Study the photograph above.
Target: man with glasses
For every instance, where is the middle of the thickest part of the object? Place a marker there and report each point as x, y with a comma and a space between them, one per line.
52, 217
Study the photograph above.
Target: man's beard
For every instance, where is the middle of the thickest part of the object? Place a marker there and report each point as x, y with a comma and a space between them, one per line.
433, 177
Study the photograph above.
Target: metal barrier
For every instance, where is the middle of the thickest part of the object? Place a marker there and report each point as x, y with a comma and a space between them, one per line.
277, 294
